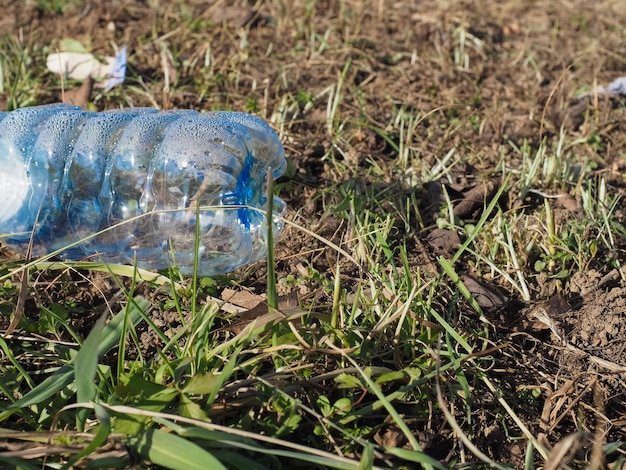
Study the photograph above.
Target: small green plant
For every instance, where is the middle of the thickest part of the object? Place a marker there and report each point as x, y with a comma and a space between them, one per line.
60, 6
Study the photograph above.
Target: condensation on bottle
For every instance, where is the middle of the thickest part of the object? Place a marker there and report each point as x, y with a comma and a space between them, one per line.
151, 185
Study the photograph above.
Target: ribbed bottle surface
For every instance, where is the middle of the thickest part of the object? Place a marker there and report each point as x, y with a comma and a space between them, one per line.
146, 182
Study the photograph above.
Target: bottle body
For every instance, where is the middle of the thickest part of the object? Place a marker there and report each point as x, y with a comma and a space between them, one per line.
159, 188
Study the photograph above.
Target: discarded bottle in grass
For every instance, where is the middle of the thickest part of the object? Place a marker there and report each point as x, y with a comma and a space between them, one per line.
149, 185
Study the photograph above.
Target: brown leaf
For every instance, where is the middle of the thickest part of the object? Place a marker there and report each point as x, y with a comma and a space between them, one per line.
475, 199
392, 437
567, 202
445, 242
233, 16
487, 295
241, 298
79, 96
286, 304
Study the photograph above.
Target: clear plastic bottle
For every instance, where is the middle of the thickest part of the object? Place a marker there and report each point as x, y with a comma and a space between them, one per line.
142, 180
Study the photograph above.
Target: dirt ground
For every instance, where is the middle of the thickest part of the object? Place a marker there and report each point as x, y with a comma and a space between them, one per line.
515, 79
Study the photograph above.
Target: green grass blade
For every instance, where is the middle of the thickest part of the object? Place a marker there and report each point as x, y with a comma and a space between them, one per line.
236, 460
18, 464
136, 310
101, 436
237, 442
483, 219
451, 331
226, 372
172, 451
272, 296
229, 441
454, 277
85, 369
42, 392
56, 382
367, 459
415, 456
18, 367
529, 458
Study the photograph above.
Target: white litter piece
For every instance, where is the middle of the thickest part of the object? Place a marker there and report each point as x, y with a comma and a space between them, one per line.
107, 72
616, 87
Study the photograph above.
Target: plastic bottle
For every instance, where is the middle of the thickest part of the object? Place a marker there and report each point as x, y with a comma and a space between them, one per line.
149, 177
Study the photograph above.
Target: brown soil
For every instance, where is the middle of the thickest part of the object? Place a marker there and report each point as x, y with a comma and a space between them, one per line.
516, 80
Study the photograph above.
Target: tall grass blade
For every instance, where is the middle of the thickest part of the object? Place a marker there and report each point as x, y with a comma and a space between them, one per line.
272, 296
172, 451
85, 369
224, 375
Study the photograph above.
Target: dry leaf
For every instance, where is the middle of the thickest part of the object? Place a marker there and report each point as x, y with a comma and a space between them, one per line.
233, 16
79, 96
445, 242
260, 311
562, 453
241, 298
487, 295
567, 202
475, 199
392, 437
